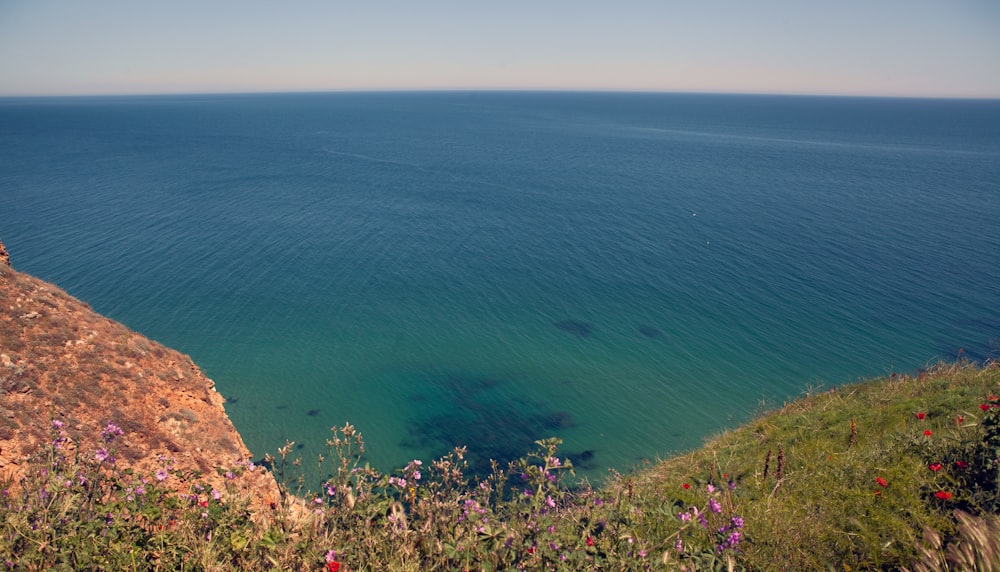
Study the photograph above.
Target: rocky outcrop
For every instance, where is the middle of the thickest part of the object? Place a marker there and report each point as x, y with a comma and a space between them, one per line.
61, 360
4, 257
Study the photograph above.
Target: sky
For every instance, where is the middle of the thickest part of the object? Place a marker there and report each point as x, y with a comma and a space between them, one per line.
922, 48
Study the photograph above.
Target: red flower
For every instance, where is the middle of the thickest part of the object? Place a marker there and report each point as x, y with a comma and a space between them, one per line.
332, 566
943, 495
960, 419
934, 466
531, 550
882, 482
686, 486
921, 415
984, 407
927, 432
590, 541
203, 504
961, 464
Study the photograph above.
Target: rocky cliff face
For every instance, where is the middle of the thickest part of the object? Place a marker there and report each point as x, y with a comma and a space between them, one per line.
60, 360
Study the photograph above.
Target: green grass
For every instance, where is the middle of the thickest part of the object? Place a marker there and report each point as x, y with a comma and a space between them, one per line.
846, 479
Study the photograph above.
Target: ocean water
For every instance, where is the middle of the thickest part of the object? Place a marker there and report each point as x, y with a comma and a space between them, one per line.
629, 272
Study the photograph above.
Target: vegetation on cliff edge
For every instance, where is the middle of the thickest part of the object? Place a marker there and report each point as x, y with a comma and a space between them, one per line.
890, 473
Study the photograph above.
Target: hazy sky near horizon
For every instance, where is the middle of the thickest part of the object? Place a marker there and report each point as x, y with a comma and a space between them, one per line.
935, 48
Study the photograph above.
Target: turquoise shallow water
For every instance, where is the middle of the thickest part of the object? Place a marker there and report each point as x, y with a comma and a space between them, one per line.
631, 272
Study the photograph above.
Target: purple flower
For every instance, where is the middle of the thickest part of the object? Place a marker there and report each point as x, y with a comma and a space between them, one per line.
710, 488
110, 432
549, 501
57, 424
415, 475
216, 494
140, 490
331, 556
161, 475
229, 475
101, 454
527, 492
714, 505
330, 490
737, 522
684, 516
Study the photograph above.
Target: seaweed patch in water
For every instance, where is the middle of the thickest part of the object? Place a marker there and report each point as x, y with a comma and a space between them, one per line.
649, 331
313, 412
581, 329
499, 429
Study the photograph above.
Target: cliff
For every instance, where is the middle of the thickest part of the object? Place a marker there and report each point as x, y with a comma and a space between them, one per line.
61, 360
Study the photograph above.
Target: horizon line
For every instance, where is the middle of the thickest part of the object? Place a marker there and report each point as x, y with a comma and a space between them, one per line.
488, 90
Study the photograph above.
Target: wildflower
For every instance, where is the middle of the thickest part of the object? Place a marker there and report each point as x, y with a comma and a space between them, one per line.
921, 416
590, 541
57, 424
732, 485
927, 432
961, 464
331, 556
554, 461
140, 490
714, 505
934, 467
332, 566
882, 482
203, 504
984, 407
684, 516
110, 432
331, 490
679, 545
416, 475
943, 495
161, 475
737, 522
527, 492
710, 488
216, 494
101, 455
642, 553
686, 486
549, 501
229, 475
960, 419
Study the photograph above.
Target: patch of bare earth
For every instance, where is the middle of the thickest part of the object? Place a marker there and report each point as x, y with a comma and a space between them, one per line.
61, 360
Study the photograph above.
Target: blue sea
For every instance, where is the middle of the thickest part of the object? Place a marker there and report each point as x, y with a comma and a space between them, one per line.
629, 272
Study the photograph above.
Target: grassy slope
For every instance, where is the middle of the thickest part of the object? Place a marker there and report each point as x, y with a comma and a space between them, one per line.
828, 508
